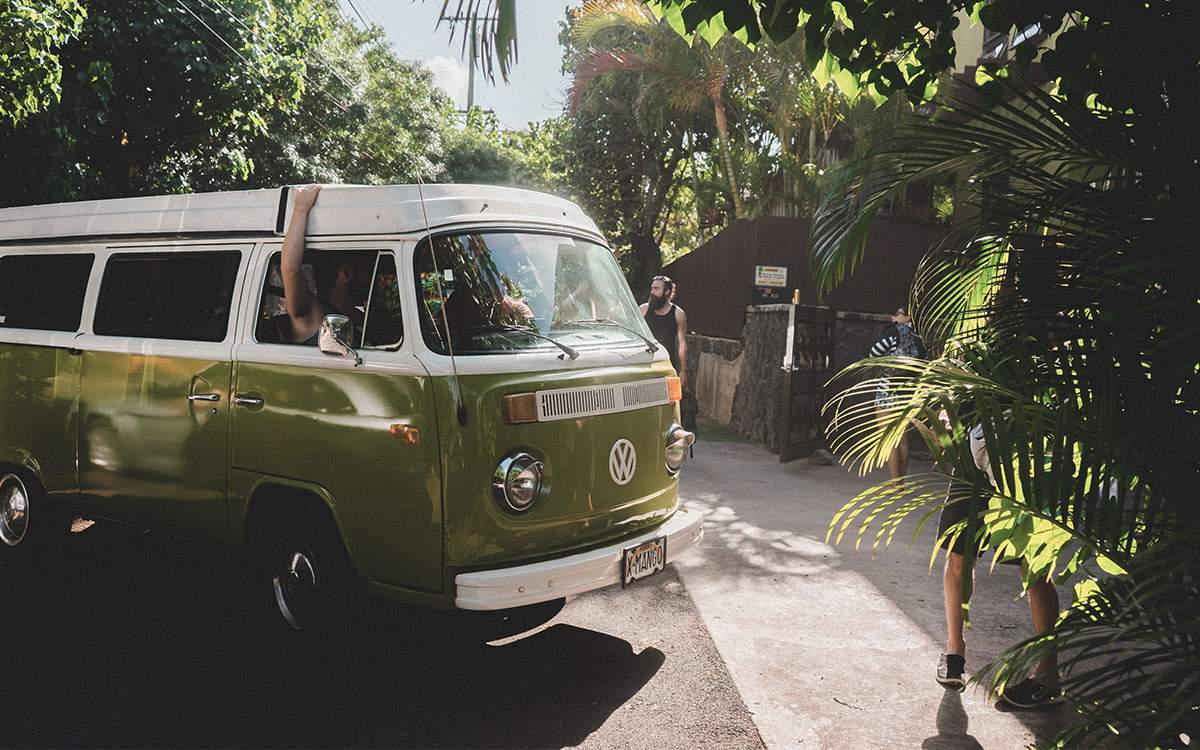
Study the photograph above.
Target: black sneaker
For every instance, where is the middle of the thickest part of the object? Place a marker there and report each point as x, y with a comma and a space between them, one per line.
1029, 693
950, 671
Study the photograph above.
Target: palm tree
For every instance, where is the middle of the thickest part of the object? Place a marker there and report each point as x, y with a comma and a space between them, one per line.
802, 114
1067, 298
623, 36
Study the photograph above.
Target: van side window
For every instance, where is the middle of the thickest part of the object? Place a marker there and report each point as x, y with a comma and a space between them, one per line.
371, 286
43, 292
182, 296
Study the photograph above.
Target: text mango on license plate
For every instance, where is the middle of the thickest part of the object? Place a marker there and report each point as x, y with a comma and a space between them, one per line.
644, 560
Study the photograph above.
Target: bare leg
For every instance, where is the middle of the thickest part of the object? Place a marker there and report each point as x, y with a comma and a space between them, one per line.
1043, 605
894, 468
901, 454
952, 591
894, 464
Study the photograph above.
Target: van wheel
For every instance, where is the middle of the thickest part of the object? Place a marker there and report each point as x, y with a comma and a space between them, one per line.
29, 522
305, 575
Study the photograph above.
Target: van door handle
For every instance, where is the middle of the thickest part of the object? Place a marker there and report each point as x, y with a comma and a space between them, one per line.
247, 401
204, 397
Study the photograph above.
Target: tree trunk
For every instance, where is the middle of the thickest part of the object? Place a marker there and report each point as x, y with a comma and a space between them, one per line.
695, 185
727, 158
645, 257
644, 263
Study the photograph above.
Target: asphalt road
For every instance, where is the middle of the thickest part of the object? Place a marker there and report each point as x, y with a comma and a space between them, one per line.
132, 639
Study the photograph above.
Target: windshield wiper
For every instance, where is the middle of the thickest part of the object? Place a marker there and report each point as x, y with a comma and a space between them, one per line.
510, 328
651, 344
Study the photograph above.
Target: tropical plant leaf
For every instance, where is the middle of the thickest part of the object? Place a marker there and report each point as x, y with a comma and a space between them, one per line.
1066, 401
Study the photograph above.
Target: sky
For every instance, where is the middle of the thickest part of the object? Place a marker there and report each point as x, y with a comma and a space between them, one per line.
535, 90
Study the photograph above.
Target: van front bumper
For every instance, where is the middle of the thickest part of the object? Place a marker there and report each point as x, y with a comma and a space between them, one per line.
540, 582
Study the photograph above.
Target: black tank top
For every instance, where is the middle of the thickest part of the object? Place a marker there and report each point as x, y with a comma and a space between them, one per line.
666, 331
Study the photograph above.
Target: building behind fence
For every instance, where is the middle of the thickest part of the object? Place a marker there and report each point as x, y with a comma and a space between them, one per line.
736, 348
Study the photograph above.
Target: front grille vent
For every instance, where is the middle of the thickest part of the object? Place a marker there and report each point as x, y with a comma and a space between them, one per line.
589, 401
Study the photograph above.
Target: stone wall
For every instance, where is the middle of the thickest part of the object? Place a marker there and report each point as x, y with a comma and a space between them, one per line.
757, 401
739, 383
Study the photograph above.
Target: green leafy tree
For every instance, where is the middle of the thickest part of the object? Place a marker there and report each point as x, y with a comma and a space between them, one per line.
157, 95
622, 162
30, 72
889, 47
687, 79
481, 152
365, 116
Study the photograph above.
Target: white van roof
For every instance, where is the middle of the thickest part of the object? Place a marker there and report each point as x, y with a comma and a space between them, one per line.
340, 209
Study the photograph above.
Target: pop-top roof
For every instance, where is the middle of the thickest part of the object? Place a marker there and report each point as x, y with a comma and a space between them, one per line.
340, 209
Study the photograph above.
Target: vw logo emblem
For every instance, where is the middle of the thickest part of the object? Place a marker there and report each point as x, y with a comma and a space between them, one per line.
622, 462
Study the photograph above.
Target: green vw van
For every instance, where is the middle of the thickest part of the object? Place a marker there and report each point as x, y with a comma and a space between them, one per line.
490, 425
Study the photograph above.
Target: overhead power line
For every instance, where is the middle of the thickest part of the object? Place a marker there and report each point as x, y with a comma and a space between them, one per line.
248, 67
316, 50
254, 73
359, 14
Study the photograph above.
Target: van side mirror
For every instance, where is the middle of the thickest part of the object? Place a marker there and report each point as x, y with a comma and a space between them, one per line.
335, 335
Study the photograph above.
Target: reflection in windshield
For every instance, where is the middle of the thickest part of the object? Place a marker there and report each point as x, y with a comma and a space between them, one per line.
494, 284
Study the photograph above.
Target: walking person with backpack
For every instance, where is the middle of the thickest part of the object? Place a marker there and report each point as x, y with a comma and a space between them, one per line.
899, 339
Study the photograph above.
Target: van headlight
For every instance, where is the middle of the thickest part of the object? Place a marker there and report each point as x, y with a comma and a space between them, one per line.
517, 482
679, 442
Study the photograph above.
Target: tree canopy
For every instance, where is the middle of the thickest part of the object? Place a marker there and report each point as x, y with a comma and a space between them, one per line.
889, 47
30, 70
165, 96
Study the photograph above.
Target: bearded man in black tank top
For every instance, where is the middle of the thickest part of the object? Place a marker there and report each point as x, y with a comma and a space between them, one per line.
668, 323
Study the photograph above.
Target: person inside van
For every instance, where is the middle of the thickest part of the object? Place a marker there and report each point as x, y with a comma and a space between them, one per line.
342, 284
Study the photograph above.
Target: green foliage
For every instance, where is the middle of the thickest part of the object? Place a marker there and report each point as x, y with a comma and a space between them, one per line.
155, 93
728, 131
482, 153
622, 153
886, 47
1068, 299
184, 95
674, 78
365, 117
30, 72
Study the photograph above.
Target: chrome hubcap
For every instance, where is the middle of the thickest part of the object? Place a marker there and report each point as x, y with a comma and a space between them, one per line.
14, 510
295, 583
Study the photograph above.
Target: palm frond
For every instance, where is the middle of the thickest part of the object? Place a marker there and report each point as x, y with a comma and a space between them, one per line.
1067, 305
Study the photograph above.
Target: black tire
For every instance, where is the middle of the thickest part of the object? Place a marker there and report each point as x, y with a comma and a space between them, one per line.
30, 523
304, 581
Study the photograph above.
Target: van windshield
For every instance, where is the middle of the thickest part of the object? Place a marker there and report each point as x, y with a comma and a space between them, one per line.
491, 292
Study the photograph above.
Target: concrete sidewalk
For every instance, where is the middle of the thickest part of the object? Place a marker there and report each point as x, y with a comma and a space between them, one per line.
829, 647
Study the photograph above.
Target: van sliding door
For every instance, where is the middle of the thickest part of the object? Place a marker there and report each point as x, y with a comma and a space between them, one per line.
154, 396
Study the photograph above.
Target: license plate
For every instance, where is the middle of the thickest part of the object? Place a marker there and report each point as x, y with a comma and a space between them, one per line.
644, 560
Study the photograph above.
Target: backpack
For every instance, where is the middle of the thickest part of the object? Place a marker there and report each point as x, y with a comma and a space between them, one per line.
908, 343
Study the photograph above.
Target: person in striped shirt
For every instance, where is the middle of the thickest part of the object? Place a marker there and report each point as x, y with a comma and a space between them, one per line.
899, 339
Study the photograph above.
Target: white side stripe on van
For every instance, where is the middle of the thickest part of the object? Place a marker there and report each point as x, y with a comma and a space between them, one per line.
588, 401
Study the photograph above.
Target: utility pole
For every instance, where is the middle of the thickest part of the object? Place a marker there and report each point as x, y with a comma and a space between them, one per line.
471, 71
474, 50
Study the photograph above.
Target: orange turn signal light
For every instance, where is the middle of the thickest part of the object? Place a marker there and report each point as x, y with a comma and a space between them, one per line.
520, 408
674, 389
407, 433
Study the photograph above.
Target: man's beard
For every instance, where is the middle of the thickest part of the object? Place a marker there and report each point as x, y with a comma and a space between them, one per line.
657, 303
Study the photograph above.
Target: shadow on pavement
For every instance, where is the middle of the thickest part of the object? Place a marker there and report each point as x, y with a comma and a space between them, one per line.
781, 535
952, 726
136, 640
